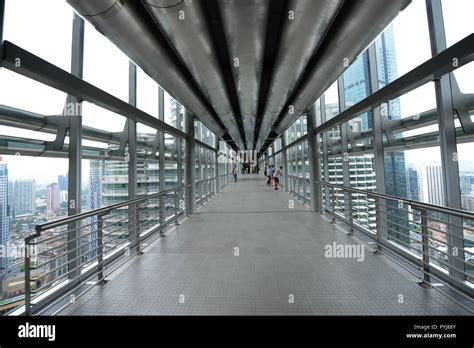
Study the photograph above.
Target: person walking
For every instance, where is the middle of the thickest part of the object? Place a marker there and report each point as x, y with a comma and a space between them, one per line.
278, 176
270, 175
234, 171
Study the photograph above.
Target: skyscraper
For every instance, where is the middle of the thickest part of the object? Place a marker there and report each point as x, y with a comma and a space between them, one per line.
93, 202
63, 182
24, 197
432, 188
4, 213
356, 88
11, 201
413, 182
52, 198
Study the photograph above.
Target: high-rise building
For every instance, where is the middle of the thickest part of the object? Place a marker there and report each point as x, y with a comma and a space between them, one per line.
63, 182
24, 198
465, 183
11, 201
4, 214
467, 203
432, 188
52, 198
93, 202
356, 88
413, 182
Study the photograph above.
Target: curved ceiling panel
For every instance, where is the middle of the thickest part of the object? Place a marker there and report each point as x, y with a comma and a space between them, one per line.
245, 28
124, 26
184, 24
354, 33
304, 29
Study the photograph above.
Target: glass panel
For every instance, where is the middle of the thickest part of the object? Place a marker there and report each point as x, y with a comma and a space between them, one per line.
27, 198
331, 100
23, 93
458, 24
147, 93
356, 88
405, 43
96, 117
43, 28
105, 66
174, 112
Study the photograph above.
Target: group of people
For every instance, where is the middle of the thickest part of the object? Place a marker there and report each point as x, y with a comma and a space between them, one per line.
273, 176
245, 170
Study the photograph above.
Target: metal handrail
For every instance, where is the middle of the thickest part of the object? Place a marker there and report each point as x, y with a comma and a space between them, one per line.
424, 263
80, 216
74, 265
440, 209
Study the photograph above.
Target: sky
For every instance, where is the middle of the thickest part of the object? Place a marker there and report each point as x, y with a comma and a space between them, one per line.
45, 29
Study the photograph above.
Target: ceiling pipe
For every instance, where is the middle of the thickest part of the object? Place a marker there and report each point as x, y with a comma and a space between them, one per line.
244, 24
305, 25
184, 24
349, 37
123, 24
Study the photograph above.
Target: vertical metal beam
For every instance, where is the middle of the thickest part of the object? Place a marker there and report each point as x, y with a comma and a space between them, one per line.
190, 163
132, 159
75, 150
377, 132
216, 165
161, 147
344, 146
2, 21
179, 154
286, 166
447, 136
314, 161
379, 154
325, 137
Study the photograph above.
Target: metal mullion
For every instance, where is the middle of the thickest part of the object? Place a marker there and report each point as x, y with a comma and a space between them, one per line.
447, 133
75, 142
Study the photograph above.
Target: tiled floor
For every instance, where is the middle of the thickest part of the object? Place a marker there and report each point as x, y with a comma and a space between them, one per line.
247, 253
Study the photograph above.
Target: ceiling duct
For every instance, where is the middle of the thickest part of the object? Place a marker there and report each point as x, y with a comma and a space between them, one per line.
123, 24
244, 24
349, 37
305, 25
184, 24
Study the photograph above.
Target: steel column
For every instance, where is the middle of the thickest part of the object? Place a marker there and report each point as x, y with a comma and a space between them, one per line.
344, 145
447, 137
377, 139
134, 235
322, 101
216, 166
285, 161
314, 161
190, 163
2, 18
162, 158
75, 150
179, 155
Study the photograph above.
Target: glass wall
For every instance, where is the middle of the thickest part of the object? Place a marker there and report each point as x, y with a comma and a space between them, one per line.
400, 154
35, 159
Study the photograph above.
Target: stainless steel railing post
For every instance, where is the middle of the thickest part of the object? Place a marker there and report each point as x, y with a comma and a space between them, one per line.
378, 248
333, 206
176, 207
425, 247
27, 278
100, 249
351, 218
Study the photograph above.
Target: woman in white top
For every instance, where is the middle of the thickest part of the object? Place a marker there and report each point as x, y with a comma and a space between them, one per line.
277, 176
